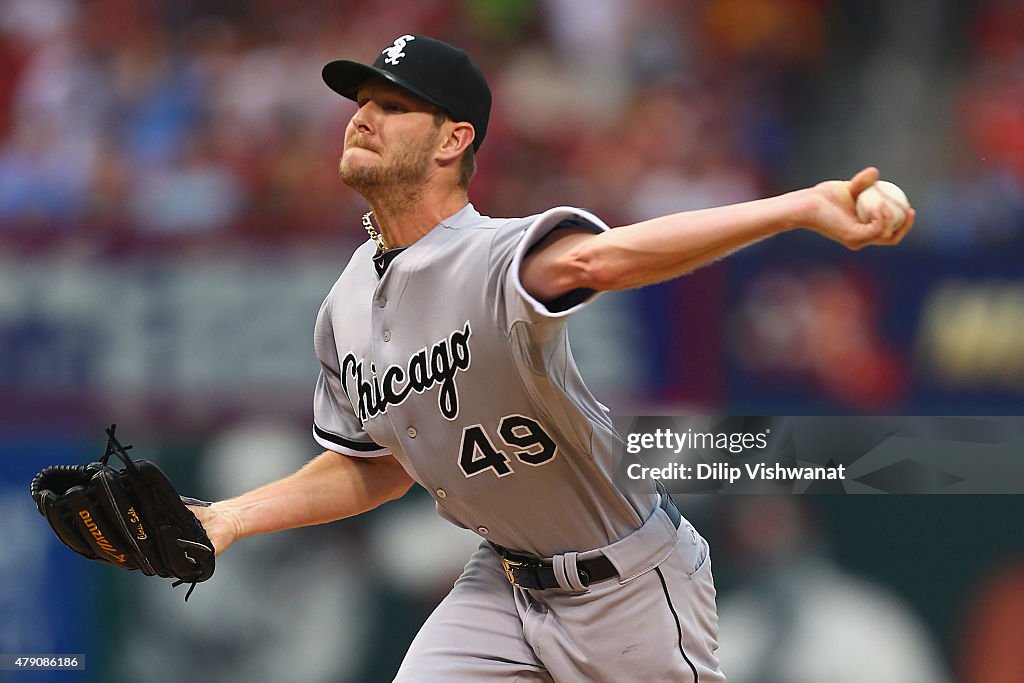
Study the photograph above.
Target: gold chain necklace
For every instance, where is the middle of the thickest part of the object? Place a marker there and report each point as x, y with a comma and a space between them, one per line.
372, 231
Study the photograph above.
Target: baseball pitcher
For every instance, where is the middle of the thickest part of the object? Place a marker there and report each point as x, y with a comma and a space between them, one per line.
444, 361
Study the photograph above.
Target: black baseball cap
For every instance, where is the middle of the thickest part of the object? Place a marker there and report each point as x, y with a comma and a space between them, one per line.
429, 68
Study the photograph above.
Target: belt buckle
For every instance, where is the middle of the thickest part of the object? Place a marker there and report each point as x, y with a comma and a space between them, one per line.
510, 566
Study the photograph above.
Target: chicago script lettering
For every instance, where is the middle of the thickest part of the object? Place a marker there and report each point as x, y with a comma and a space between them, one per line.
437, 365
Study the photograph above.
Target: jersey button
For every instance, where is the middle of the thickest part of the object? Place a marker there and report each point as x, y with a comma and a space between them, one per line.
411, 431
382, 302
484, 530
387, 335
441, 493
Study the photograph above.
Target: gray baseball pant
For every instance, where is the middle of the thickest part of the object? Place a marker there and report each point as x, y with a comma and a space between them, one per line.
656, 623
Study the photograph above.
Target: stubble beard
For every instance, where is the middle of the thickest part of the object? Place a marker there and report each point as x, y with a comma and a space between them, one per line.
401, 180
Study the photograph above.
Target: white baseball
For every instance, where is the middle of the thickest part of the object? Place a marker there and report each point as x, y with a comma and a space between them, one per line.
883, 192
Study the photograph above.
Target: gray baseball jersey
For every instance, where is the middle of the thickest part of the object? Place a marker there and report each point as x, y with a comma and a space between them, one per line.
443, 359
449, 364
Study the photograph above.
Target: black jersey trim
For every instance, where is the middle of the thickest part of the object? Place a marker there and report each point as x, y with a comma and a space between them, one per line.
383, 259
360, 446
540, 227
679, 627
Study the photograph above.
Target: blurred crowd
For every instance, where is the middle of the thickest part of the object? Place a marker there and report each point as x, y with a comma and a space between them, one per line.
186, 119
981, 201
203, 120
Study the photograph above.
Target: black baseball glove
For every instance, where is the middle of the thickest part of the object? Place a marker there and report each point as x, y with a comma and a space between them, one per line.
131, 518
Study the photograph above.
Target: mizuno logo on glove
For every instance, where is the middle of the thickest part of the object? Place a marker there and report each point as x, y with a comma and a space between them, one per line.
101, 540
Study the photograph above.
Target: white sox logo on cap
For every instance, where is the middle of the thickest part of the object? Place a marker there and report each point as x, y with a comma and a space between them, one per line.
438, 73
394, 53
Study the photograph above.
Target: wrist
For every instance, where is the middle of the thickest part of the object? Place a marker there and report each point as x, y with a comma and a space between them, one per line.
805, 208
225, 525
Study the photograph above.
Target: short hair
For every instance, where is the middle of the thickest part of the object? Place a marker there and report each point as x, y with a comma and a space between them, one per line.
467, 167
467, 164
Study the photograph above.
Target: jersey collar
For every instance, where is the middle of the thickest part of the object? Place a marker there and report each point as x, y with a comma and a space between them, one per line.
464, 217
383, 259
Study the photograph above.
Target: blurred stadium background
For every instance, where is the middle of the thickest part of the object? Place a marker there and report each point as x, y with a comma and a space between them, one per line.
170, 220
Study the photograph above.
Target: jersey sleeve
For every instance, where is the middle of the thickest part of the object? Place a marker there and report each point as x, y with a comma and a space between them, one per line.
335, 424
519, 304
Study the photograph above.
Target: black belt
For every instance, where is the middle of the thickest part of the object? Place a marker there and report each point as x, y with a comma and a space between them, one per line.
530, 572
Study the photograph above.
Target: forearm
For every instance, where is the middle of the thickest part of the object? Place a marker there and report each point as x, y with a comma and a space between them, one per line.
329, 487
663, 248
666, 247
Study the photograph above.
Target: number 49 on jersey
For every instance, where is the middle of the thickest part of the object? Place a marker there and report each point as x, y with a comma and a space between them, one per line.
478, 452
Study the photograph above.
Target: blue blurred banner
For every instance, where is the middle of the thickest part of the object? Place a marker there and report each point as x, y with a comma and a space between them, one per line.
812, 331
789, 327
46, 605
